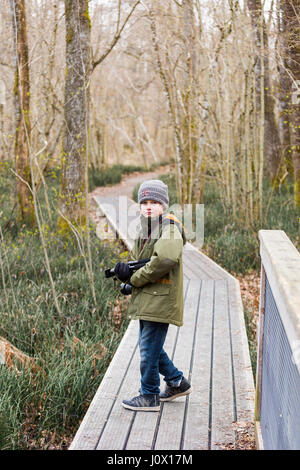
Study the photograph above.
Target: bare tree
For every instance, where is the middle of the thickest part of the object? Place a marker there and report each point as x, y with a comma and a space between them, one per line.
271, 145
285, 86
184, 82
291, 9
76, 113
191, 123
22, 113
178, 75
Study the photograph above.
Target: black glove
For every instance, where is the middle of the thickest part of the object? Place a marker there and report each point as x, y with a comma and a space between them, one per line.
122, 271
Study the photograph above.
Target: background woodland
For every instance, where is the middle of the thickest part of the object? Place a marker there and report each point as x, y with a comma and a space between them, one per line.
212, 86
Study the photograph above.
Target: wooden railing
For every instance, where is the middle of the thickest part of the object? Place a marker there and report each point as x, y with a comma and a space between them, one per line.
277, 408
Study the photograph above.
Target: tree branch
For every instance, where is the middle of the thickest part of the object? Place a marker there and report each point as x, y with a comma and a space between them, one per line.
116, 38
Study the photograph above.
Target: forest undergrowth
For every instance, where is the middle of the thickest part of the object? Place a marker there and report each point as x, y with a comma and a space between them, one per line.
54, 362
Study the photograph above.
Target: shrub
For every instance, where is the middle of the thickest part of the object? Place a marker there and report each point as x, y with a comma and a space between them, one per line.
46, 407
110, 175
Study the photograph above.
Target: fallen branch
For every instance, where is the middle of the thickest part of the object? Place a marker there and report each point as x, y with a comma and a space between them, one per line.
13, 357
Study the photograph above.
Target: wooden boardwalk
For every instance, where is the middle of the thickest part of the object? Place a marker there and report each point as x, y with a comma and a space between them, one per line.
212, 351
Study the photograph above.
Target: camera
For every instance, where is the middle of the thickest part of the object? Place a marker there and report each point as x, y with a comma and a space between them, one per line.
126, 287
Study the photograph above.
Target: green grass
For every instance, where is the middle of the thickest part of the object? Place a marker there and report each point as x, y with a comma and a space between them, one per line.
113, 174
231, 245
237, 249
46, 407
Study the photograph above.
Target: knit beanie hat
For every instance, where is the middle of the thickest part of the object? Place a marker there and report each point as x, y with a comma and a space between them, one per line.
154, 190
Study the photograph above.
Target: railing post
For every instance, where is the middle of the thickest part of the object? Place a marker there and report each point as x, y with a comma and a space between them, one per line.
260, 335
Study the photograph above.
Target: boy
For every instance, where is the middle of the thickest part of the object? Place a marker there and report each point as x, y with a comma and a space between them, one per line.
157, 296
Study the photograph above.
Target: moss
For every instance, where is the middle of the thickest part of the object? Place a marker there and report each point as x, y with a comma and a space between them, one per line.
26, 118
297, 193
69, 35
16, 82
275, 182
86, 14
26, 214
65, 231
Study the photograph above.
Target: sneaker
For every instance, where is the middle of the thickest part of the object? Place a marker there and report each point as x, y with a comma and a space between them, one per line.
143, 403
170, 393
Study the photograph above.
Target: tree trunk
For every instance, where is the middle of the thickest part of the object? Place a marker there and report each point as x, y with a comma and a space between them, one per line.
271, 134
285, 86
171, 105
190, 124
292, 18
22, 112
76, 109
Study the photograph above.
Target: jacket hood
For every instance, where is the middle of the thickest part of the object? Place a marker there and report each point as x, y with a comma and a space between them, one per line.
150, 225
173, 219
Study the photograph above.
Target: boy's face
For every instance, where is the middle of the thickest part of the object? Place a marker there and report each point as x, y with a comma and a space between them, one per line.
151, 208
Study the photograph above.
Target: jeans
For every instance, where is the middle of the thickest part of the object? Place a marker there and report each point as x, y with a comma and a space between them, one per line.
154, 360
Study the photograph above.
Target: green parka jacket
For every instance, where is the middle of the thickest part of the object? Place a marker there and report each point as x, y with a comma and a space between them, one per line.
157, 293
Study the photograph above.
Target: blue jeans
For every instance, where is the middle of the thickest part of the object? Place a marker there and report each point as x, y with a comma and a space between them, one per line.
154, 360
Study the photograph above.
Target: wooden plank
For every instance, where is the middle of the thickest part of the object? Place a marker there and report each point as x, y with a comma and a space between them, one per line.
260, 338
194, 265
220, 272
172, 413
197, 418
258, 436
188, 272
98, 412
243, 375
118, 426
222, 406
202, 264
116, 211
144, 421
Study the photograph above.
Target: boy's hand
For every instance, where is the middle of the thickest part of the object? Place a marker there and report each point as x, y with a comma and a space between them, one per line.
122, 271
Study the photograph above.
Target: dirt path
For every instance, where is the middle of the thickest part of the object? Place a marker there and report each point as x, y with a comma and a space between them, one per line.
124, 188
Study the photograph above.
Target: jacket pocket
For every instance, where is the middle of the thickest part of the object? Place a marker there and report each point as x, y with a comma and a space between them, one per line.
155, 301
156, 289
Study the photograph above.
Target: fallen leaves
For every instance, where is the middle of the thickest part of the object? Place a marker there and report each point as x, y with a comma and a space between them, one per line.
118, 310
250, 289
250, 292
244, 437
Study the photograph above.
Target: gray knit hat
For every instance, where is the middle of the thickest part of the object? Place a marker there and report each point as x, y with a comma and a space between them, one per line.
154, 190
